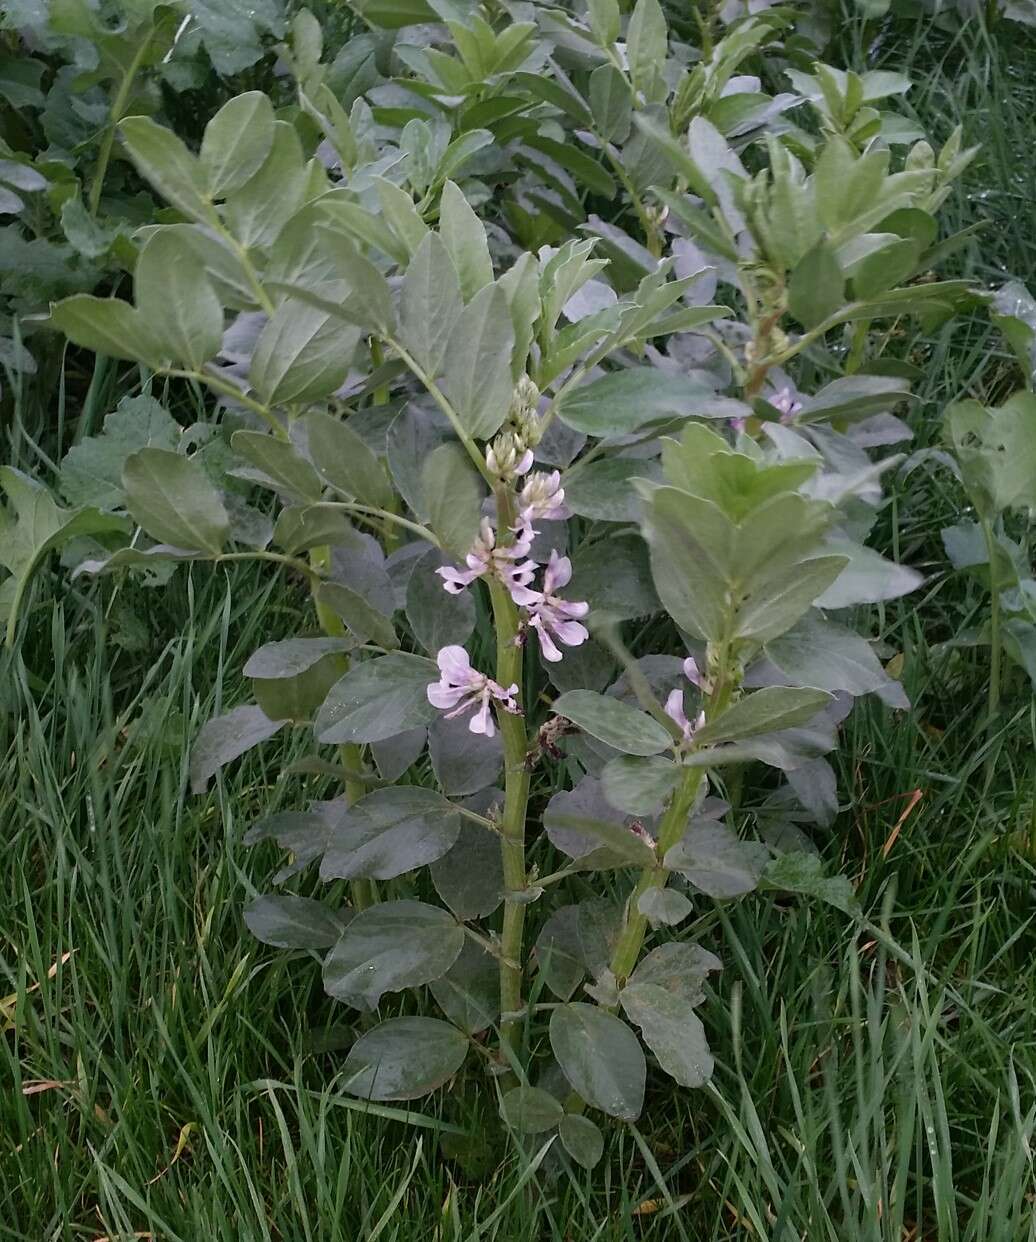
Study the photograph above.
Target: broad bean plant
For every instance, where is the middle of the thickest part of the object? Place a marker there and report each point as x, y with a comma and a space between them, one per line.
581, 506
992, 452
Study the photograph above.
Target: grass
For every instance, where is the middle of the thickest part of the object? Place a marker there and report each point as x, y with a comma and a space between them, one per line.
164, 1076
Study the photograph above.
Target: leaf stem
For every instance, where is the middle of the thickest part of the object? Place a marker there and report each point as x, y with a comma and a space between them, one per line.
674, 821
227, 389
473, 451
386, 515
278, 558
114, 117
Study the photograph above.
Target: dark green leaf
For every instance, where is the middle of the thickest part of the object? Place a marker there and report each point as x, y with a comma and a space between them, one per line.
237, 141
388, 947
91, 472
291, 656
469, 992
298, 696
345, 461
477, 376
171, 497
581, 1139
801, 872
678, 967
614, 577
617, 724
465, 238
602, 490
404, 1058
363, 621
638, 784
162, 159
611, 103
176, 301
764, 711
817, 287
378, 699
716, 861
39, 527
619, 403
430, 303
672, 1030
470, 878
452, 492
289, 922
600, 1057
279, 462
559, 953
436, 617
530, 1110
390, 832
225, 738
302, 355
463, 762
108, 326
664, 907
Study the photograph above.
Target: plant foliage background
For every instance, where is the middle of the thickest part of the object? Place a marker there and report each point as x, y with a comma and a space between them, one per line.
453, 430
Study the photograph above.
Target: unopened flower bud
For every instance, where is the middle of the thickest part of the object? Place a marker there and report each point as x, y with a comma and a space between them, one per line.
656, 214
507, 457
523, 413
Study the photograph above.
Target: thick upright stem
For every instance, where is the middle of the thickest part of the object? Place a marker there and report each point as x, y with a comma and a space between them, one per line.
631, 939
516, 799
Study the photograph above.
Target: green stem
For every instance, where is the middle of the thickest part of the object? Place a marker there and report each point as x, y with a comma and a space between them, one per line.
277, 558
436, 393
361, 891
381, 394
858, 348
231, 390
516, 799
671, 829
114, 117
262, 298
384, 516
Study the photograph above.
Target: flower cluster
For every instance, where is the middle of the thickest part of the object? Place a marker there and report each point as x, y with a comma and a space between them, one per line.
554, 620
461, 687
674, 707
783, 402
485, 557
551, 617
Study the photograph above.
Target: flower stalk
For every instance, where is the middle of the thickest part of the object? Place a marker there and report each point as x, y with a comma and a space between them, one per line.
509, 670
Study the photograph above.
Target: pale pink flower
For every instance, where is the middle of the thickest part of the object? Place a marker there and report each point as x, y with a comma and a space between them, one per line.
782, 401
674, 709
485, 557
553, 618
461, 687
785, 404
695, 676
